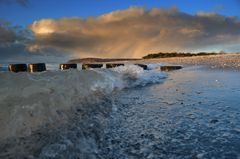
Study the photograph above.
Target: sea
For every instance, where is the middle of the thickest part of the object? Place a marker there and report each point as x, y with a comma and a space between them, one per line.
120, 113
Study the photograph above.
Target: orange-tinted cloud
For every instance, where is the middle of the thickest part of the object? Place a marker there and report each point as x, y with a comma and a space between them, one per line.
135, 32
14, 43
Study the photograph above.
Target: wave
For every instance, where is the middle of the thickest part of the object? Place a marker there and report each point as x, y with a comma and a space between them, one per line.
31, 100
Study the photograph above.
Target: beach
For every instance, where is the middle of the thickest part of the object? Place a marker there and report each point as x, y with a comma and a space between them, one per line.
193, 114
125, 112
225, 61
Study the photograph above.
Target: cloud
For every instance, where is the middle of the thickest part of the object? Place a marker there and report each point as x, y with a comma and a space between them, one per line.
14, 46
23, 3
135, 32
12, 40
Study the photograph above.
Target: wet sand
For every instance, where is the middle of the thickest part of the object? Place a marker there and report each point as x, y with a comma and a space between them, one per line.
193, 114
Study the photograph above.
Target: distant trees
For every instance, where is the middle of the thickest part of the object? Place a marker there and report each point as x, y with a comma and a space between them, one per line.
175, 54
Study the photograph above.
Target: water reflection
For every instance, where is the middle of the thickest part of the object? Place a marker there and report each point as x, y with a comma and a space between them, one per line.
193, 114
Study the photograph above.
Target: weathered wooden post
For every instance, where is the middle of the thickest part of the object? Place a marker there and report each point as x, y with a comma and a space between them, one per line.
143, 66
170, 68
37, 67
87, 66
67, 66
112, 65
17, 68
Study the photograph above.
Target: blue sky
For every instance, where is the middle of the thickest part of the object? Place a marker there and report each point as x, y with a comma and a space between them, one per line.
40, 9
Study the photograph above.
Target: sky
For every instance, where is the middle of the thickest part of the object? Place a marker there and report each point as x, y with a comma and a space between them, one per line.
60, 29
31, 10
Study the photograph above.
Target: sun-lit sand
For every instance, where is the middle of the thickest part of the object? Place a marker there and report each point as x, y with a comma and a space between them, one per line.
226, 61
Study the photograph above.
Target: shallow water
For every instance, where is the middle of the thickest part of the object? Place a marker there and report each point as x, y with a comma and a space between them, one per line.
194, 113
44, 105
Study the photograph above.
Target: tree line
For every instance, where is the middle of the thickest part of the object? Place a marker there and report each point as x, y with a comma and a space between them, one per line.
178, 54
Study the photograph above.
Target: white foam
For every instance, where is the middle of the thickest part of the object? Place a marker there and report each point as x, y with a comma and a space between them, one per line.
138, 77
28, 101
154, 66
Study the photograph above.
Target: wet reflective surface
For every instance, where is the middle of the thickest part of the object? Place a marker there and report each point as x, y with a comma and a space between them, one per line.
193, 114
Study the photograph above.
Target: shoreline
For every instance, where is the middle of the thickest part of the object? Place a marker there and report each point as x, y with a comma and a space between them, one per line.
226, 61
183, 110
121, 124
222, 61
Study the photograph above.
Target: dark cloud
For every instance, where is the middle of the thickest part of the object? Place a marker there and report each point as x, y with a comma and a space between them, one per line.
14, 43
23, 3
12, 34
135, 32
13, 40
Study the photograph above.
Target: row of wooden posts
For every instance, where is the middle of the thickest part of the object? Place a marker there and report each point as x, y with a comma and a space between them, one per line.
40, 67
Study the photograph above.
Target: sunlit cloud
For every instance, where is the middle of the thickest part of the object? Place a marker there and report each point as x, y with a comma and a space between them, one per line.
16, 43
135, 32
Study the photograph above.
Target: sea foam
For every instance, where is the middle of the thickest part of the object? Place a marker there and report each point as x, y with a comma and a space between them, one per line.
31, 100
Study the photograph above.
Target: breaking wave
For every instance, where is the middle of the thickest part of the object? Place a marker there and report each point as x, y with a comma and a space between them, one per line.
28, 101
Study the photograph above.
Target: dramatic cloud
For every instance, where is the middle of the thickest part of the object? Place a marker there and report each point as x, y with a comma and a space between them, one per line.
20, 2
14, 43
135, 32
13, 40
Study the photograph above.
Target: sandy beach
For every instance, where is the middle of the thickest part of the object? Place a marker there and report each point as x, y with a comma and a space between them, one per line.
225, 61
221, 61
